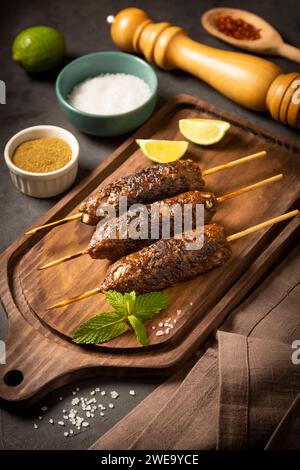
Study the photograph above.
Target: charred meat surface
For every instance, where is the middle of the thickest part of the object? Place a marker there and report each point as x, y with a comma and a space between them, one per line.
147, 185
107, 241
168, 262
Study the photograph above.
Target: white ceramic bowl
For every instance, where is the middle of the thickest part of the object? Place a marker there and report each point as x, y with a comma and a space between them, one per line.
42, 184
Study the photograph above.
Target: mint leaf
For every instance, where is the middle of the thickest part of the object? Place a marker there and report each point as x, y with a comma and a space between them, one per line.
116, 300
139, 329
130, 308
122, 303
148, 305
129, 302
100, 328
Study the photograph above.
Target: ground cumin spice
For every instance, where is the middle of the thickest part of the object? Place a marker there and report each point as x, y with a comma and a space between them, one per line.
237, 28
42, 155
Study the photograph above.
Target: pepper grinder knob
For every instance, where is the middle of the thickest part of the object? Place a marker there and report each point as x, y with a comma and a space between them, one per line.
125, 25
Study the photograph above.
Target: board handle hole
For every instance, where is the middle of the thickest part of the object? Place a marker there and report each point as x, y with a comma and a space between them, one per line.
13, 378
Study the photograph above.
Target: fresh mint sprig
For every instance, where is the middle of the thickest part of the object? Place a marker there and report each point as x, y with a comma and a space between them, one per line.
130, 311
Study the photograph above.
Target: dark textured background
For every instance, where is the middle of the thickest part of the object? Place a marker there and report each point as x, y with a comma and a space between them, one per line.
31, 101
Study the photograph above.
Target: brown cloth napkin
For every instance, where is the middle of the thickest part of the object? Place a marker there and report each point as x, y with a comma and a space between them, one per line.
238, 391
258, 383
287, 434
180, 407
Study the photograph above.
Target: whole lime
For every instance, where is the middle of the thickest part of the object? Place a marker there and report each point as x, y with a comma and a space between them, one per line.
39, 48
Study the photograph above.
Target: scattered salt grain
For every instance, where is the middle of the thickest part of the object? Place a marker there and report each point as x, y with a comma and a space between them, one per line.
85, 405
167, 331
191, 303
159, 333
153, 327
110, 94
161, 324
60, 398
178, 312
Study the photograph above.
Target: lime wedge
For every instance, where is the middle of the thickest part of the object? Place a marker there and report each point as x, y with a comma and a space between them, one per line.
163, 151
203, 131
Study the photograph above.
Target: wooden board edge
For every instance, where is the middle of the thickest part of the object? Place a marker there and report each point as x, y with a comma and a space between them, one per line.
279, 139
11, 254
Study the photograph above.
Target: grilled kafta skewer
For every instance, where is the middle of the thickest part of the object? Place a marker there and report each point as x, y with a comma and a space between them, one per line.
107, 244
107, 241
147, 185
168, 262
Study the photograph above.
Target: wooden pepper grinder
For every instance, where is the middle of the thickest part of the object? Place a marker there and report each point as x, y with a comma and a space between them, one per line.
251, 81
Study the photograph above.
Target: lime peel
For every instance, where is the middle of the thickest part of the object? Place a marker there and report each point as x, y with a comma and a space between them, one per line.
203, 131
163, 151
38, 48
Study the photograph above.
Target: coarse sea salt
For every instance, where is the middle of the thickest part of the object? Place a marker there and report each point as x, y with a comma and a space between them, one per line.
71, 422
109, 94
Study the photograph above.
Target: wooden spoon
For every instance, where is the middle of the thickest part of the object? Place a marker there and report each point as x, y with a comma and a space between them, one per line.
270, 42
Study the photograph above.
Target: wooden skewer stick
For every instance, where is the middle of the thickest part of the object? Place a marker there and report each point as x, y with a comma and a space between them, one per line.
210, 171
63, 303
230, 238
275, 220
251, 187
64, 259
238, 162
220, 199
53, 224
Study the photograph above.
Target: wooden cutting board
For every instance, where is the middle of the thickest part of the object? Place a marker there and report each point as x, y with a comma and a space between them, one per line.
39, 343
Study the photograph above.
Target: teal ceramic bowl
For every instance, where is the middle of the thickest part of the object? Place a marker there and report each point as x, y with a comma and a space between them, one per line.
97, 63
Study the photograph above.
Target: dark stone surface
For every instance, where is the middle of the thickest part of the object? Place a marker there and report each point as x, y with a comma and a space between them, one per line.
31, 101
